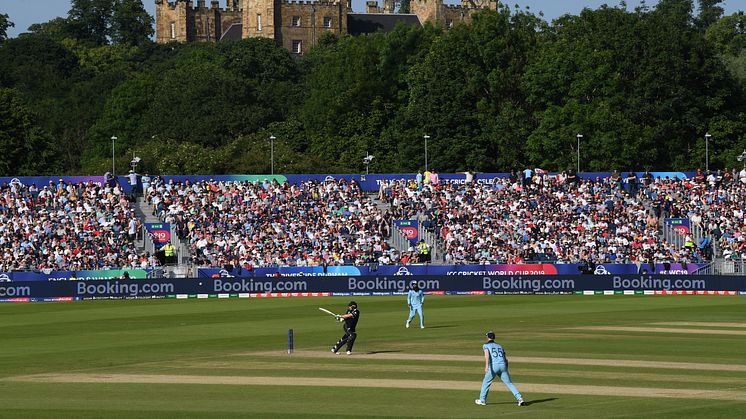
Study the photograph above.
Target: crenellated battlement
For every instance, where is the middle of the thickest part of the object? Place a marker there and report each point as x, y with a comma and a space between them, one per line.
309, 3
190, 6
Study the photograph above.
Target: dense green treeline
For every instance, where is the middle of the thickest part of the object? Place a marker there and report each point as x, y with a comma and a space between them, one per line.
508, 91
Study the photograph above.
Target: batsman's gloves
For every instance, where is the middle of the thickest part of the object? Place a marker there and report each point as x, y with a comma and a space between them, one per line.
338, 317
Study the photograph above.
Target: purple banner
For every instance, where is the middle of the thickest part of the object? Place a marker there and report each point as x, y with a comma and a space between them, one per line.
459, 270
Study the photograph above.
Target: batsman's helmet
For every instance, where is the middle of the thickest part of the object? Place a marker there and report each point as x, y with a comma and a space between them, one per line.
352, 304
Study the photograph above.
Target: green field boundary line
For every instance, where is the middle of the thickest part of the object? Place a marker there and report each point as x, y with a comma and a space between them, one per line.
589, 390
622, 363
701, 324
660, 330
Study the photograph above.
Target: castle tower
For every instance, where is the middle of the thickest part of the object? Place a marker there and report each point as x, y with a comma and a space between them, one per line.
427, 10
259, 18
172, 21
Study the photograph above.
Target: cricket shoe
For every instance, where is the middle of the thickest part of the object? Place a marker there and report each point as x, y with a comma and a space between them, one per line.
349, 352
480, 402
422, 327
520, 402
407, 325
334, 350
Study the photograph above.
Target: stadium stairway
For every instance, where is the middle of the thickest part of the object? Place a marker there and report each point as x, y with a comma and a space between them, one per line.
402, 245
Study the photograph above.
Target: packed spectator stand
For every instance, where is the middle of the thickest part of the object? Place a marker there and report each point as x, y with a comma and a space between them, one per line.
527, 217
67, 226
259, 224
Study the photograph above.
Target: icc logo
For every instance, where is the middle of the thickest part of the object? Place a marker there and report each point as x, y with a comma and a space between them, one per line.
403, 271
225, 274
601, 270
16, 181
329, 179
4, 278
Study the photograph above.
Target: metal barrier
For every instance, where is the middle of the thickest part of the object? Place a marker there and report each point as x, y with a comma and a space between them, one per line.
676, 238
730, 267
399, 240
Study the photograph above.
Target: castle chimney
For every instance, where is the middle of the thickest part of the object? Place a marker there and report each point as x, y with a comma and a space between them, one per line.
371, 6
201, 4
215, 4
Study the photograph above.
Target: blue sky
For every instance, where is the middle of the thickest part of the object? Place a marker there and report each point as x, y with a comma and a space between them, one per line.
26, 12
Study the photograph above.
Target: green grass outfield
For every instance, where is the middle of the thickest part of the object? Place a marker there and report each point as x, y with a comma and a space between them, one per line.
571, 356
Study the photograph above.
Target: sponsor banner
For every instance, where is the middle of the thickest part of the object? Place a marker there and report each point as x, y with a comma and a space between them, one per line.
42, 181
366, 182
160, 233
48, 275
454, 270
680, 224
410, 229
371, 285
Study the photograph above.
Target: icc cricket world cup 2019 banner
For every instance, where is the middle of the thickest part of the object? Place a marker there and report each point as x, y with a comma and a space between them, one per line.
225, 287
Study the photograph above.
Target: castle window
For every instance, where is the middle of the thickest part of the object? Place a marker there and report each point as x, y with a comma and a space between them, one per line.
173, 30
259, 23
297, 46
327, 21
296, 21
449, 23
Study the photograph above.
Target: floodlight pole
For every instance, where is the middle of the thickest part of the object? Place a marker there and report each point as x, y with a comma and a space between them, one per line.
426, 138
113, 167
707, 151
578, 136
272, 139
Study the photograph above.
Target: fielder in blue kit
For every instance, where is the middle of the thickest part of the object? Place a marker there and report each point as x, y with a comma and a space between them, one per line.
495, 364
415, 299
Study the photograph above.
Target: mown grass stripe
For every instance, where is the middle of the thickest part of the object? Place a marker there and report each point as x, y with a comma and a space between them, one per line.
380, 383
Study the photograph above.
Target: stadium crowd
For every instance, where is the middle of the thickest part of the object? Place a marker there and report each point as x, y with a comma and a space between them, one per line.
258, 224
67, 226
528, 216
535, 217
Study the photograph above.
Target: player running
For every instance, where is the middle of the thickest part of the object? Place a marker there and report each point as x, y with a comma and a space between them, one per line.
415, 299
495, 364
350, 319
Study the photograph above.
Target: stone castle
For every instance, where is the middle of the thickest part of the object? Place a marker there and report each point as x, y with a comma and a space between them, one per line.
297, 25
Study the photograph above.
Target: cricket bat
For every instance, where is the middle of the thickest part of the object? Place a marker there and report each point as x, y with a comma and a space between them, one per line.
327, 311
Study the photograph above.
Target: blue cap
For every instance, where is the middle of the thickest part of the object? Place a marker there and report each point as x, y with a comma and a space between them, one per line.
490, 334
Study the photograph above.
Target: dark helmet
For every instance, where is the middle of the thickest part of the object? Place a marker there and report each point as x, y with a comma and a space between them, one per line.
352, 304
490, 334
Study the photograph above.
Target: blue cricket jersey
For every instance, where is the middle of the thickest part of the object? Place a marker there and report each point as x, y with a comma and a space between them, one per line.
497, 355
415, 298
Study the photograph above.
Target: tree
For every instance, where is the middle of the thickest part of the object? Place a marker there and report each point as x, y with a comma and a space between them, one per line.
5, 23
57, 29
27, 149
709, 13
90, 20
130, 23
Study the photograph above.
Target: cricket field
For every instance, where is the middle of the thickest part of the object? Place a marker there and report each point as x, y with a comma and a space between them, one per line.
570, 356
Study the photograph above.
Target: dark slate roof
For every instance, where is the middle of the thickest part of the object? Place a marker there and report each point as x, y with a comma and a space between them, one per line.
362, 23
234, 33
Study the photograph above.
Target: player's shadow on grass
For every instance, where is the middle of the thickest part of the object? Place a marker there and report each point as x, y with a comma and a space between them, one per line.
379, 352
530, 402
440, 326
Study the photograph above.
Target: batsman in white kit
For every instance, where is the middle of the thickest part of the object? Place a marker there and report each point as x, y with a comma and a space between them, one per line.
495, 365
